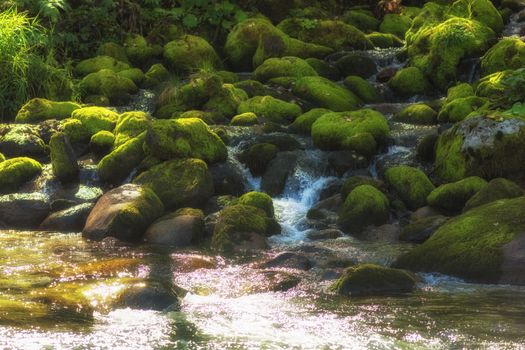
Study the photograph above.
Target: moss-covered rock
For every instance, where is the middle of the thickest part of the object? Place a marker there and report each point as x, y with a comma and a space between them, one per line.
350, 183
118, 165
362, 89
458, 109
39, 109
370, 279
22, 140
357, 63
63, 158
131, 125
508, 53
75, 131
323, 68
482, 11
259, 200
499, 188
96, 119
208, 117
409, 81
453, 196
337, 35
362, 20
95, 64
114, 50
271, 108
326, 94
15, 172
364, 206
252, 41
283, 67
107, 83
252, 88
155, 75
258, 156
410, 184
303, 123
346, 130
179, 182
461, 90
384, 40
228, 77
418, 113
102, 142
395, 24
136, 75
244, 119
184, 138
472, 245
419, 230
484, 146
139, 51
226, 101
191, 52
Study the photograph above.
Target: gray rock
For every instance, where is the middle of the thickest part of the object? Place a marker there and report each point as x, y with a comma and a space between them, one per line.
179, 229
23, 210
71, 219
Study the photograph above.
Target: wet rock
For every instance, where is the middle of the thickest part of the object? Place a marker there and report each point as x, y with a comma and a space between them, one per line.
343, 161
324, 234
71, 219
287, 260
418, 231
22, 140
386, 74
383, 233
357, 64
278, 281
149, 295
283, 142
124, 212
23, 210
258, 156
178, 229
63, 158
189, 263
274, 179
424, 212
227, 179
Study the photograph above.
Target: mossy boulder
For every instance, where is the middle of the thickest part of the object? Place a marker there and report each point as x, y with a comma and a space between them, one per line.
118, 165
124, 213
418, 113
283, 67
324, 69
479, 245
409, 81
95, 64
362, 89
508, 53
419, 230
326, 94
370, 279
364, 206
114, 50
136, 75
337, 35
357, 63
179, 182
252, 87
259, 200
271, 108
496, 189
178, 229
483, 11
350, 183
102, 142
75, 131
244, 119
254, 40
503, 88
155, 75
461, 90
15, 172
303, 123
384, 40
23, 140
139, 51
184, 138
39, 109
362, 20
226, 101
191, 52
395, 24
484, 146
131, 125
410, 184
208, 117
460, 108
96, 119
63, 158
347, 130
258, 156
107, 83
453, 196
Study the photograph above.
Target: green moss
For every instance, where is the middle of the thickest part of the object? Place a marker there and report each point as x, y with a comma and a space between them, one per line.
245, 119
22, 140
283, 67
108, 83
96, 119
482, 11
2, 157
361, 20
228, 77
226, 101
349, 184
259, 200
179, 183
40, 109
208, 117
418, 113
461, 90
362, 89
252, 88
114, 50
460, 108
139, 51
334, 131
102, 142
131, 125
410, 184
395, 24
184, 138
364, 206
470, 245
75, 130
200, 88
323, 68
258, 156
450, 164
409, 81
370, 279
420, 230
496, 189
63, 158
384, 40
326, 94
252, 41
303, 123
453, 196
118, 165
155, 75
508, 53
15, 172
95, 64
271, 108
134, 74
190, 53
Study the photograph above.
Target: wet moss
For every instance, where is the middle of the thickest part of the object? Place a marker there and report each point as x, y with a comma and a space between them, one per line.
361, 19
461, 90
259, 200
15, 172
131, 125
191, 52
271, 108
155, 75
258, 156
139, 51
102, 142
409, 81
364, 206
252, 88
96, 119
326, 94
453, 196
226, 101
114, 50
460, 108
418, 113
283, 67
75, 130
496, 189
303, 123
410, 184
508, 53
118, 165
245, 119
134, 74
349, 184
107, 83
395, 24
40, 109
362, 89
384, 40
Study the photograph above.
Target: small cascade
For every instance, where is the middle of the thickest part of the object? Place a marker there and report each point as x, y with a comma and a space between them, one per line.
144, 101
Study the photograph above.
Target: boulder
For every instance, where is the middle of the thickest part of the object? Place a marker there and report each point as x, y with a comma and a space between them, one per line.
63, 158
496, 189
178, 229
40, 109
326, 94
71, 219
364, 206
23, 210
191, 52
452, 197
22, 140
15, 172
411, 185
271, 108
